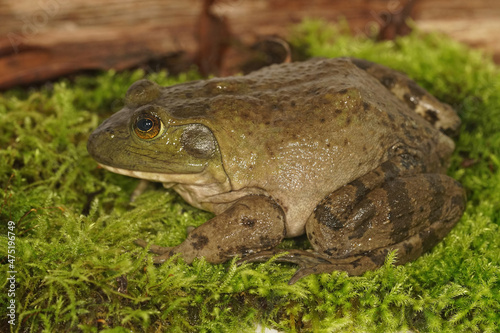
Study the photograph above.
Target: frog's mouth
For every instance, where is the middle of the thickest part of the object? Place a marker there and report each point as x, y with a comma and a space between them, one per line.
152, 176
168, 179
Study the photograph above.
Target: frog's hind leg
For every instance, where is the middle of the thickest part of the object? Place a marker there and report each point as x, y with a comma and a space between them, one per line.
156, 249
394, 207
440, 115
357, 228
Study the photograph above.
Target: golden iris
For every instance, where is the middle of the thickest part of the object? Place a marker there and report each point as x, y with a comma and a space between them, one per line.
147, 127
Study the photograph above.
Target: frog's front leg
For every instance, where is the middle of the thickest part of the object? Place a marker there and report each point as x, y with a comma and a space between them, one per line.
252, 224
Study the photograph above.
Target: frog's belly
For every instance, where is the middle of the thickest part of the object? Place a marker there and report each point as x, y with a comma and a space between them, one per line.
296, 218
299, 188
299, 209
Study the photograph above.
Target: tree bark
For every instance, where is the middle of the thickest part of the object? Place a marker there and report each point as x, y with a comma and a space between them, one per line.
45, 39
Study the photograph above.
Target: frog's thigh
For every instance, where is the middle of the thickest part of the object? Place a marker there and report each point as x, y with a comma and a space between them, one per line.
253, 223
440, 115
410, 214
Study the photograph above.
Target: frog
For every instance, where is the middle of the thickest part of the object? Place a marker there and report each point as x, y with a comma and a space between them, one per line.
350, 153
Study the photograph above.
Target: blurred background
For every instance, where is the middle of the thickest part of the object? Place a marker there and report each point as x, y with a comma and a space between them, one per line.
44, 39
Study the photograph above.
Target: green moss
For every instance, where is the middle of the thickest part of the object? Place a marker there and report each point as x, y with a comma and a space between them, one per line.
78, 269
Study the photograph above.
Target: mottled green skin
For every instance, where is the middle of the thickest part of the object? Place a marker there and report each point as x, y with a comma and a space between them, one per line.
293, 134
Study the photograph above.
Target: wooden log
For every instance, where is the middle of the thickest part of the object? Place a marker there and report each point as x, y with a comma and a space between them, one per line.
44, 39
472, 22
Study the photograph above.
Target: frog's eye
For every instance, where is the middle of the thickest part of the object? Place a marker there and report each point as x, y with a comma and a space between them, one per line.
148, 127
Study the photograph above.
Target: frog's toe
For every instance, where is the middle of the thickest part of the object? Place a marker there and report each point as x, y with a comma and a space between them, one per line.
163, 257
141, 242
299, 257
317, 268
310, 262
156, 249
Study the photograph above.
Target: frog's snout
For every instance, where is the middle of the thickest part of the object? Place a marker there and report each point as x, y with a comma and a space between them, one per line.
92, 143
99, 138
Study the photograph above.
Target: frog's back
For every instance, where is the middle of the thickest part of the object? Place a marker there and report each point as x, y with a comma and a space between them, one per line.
301, 130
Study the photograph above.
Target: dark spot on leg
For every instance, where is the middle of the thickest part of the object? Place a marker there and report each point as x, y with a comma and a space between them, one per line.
429, 239
408, 247
324, 215
390, 170
431, 116
199, 241
361, 189
266, 242
411, 101
438, 199
458, 201
378, 257
359, 221
401, 210
449, 131
416, 90
366, 106
409, 134
409, 162
388, 81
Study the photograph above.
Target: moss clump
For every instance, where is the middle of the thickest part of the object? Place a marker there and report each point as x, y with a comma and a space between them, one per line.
78, 269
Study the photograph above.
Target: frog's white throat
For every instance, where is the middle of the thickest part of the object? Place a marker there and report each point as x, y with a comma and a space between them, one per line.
198, 189
169, 179
201, 190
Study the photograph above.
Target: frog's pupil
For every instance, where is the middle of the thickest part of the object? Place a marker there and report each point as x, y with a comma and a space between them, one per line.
144, 124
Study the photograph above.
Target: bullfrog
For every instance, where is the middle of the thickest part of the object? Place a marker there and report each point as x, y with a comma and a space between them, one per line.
351, 153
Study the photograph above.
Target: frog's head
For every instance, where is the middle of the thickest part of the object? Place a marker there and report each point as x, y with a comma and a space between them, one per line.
143, 140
